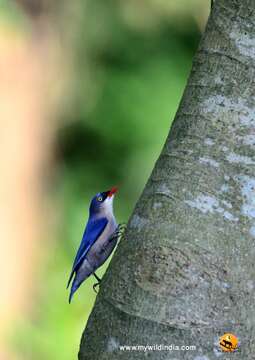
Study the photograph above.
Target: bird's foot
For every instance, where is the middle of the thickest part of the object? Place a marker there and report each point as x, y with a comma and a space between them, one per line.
95, 286
97, 283
122, 226
119, 232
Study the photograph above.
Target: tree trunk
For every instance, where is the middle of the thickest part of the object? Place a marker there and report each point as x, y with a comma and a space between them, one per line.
184, 274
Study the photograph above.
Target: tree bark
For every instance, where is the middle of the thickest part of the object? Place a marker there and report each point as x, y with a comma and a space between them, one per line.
184, 274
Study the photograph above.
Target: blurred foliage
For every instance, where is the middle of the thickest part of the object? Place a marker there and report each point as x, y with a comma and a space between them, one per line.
128, 64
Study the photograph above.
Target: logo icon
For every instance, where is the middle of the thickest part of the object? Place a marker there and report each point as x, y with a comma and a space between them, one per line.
228, 342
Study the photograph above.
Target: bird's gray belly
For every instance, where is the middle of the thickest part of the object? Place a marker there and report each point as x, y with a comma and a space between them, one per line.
98, 253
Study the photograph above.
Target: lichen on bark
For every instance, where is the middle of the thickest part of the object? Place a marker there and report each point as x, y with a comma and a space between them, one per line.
184, 274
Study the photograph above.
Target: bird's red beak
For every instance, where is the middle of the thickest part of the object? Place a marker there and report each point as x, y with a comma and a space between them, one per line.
112, 191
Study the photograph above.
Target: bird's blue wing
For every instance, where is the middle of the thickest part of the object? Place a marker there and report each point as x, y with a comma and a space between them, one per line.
92, 231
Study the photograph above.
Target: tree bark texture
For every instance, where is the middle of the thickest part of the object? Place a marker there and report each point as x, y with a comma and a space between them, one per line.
185, 272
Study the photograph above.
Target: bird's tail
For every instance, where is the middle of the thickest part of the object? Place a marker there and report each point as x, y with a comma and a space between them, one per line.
70, 279
75, 286
81, 274
73, 289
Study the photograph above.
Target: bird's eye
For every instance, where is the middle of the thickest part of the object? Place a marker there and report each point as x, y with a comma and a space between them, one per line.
100, 198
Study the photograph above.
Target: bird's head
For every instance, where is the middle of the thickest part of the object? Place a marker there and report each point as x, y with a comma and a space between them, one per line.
102, 202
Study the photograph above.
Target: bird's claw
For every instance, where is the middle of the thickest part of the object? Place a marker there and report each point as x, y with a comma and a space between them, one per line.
119, 231
122, 227
97, 283
95, 286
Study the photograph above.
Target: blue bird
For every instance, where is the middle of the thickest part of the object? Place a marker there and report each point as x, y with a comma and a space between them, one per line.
98, 241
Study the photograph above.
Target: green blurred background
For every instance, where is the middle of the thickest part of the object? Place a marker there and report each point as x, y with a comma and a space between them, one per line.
119, 74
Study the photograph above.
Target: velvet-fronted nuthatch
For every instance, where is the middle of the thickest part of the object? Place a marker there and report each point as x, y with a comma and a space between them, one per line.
99, 239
